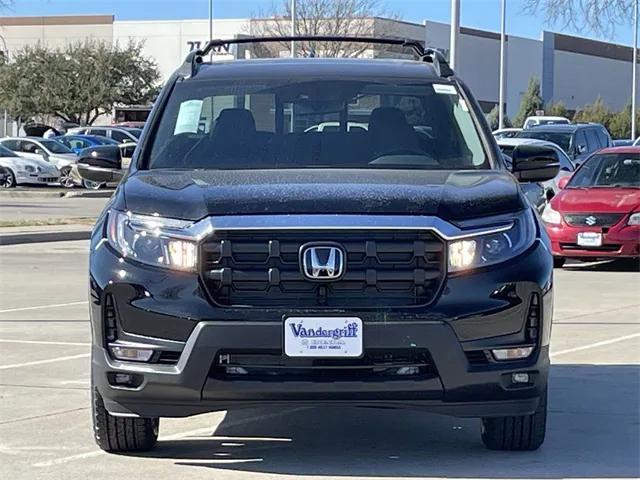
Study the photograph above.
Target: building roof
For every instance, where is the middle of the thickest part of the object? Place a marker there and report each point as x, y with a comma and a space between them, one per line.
324, 67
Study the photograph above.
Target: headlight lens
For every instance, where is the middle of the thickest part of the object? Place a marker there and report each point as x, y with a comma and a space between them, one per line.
550, 216
483, 250
634, 219
29, 168
152, 240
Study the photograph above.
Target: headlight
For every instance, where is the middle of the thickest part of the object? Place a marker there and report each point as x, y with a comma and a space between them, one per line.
483, 250
634, 219
29, 168
152, 240
550, 216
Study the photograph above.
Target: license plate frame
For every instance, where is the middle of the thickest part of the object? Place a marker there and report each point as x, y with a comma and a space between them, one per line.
589, 239
323, 337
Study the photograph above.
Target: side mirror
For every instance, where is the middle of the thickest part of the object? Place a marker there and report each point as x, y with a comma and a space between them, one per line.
580, 149
534, 163
562, 183
38, 151
101, 164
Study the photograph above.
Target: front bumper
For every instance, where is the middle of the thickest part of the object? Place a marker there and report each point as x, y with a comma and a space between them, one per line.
473, 313
619, 241
37, 178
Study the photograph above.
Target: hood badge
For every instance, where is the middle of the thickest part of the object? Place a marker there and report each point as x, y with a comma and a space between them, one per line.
591, 220
322, 261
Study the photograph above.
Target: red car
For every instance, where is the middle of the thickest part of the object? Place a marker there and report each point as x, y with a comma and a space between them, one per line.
597, 212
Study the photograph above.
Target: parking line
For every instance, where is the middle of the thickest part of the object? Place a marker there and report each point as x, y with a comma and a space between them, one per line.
175, 436
40, 307
45, 342
597, 344
41, 362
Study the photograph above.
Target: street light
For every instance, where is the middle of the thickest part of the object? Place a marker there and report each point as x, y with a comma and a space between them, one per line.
503, 11
293, 27
455, 30
634, 75
5, 51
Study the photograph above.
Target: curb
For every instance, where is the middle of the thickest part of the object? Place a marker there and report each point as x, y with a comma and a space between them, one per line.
89, 194
56, 194
41, 237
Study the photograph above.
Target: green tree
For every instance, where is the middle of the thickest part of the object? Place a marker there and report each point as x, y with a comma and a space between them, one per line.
596, 112
620, 123
77, 83
556, 109
531, 102
494, 121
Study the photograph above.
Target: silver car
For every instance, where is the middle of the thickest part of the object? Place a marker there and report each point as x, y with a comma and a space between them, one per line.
18, 170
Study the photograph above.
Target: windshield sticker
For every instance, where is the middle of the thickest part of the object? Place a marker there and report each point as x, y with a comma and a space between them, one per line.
463, 104
445, 89
188, 117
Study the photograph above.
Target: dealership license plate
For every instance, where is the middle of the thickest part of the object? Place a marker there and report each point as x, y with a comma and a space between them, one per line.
590, 239
323, 337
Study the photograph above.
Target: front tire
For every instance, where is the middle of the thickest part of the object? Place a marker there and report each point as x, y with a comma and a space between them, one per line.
8, 179
66, 180
122, 434
89, 185
525, 432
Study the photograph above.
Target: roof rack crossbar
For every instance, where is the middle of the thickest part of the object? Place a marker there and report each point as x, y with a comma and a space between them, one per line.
191, 64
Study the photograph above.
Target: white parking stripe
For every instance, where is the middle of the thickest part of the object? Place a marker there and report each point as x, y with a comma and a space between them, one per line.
40, 307
175, 436
41, 362
45, 342
597, 344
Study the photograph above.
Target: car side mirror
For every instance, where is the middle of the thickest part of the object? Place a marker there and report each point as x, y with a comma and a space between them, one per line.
562, 183
101, 164
38, 151
534, 163
580, 149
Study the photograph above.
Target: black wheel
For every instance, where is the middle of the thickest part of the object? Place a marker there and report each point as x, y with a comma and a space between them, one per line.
558, 262
122, 434
524, 432
7, 178
66, 180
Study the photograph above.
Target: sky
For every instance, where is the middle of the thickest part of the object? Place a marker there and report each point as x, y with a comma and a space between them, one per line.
482, 14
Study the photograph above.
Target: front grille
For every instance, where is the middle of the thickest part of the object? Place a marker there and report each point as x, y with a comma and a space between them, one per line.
607, 247
266, 365
592, 219
477, 357
262, 269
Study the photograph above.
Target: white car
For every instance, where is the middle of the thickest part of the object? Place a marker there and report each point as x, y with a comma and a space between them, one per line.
534, 121
506, 133
335, 127
567, 167
19, 170
36, 148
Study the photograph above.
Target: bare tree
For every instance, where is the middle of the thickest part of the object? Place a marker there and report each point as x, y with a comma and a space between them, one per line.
597, 16
323, 17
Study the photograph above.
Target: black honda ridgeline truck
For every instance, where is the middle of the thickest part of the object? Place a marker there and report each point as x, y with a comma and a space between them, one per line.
320, 231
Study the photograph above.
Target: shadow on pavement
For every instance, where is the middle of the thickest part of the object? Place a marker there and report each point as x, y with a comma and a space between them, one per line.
621, 265
593, 431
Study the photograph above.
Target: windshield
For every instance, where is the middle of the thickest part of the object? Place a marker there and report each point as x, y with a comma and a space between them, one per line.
608, 170
275, 124
5, 152
136, 132
55, 147
561, 139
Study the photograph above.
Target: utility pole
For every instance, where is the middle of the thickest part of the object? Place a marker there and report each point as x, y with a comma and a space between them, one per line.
211, 26
293, 27
503, 41
634, 75
6, 55
455, 31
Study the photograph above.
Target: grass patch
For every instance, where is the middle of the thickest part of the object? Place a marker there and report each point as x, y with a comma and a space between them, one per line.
48, 222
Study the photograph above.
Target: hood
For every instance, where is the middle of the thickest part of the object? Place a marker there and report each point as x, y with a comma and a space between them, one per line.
597, 200
64, 157
192, 195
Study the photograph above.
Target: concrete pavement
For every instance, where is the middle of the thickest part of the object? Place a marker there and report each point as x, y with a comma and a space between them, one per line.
45, 428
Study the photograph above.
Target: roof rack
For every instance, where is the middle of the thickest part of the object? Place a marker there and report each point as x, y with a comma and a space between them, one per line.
193, 61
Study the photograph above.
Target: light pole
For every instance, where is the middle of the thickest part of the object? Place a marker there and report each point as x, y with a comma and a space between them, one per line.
211, 26
634, 70
6, 53
455, 30
293, 27
503, 39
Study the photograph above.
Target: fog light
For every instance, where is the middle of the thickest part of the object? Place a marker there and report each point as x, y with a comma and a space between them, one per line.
519, 378
236, 371
512, 353
408, 371
131, 354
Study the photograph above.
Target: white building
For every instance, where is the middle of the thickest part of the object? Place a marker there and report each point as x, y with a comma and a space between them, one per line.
573, 70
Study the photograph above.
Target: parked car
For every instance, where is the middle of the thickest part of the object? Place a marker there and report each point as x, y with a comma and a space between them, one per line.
551, 187
36, 148
18, 170
597, 213
241, 266
335, 127
77, 143
506, 133
623, 142
577, 140
536, 121
119, 134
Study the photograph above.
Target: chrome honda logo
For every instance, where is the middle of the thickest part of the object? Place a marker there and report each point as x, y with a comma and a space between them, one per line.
322, 262
591, 220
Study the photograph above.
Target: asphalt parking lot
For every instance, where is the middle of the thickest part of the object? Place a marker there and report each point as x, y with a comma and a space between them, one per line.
594, 423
